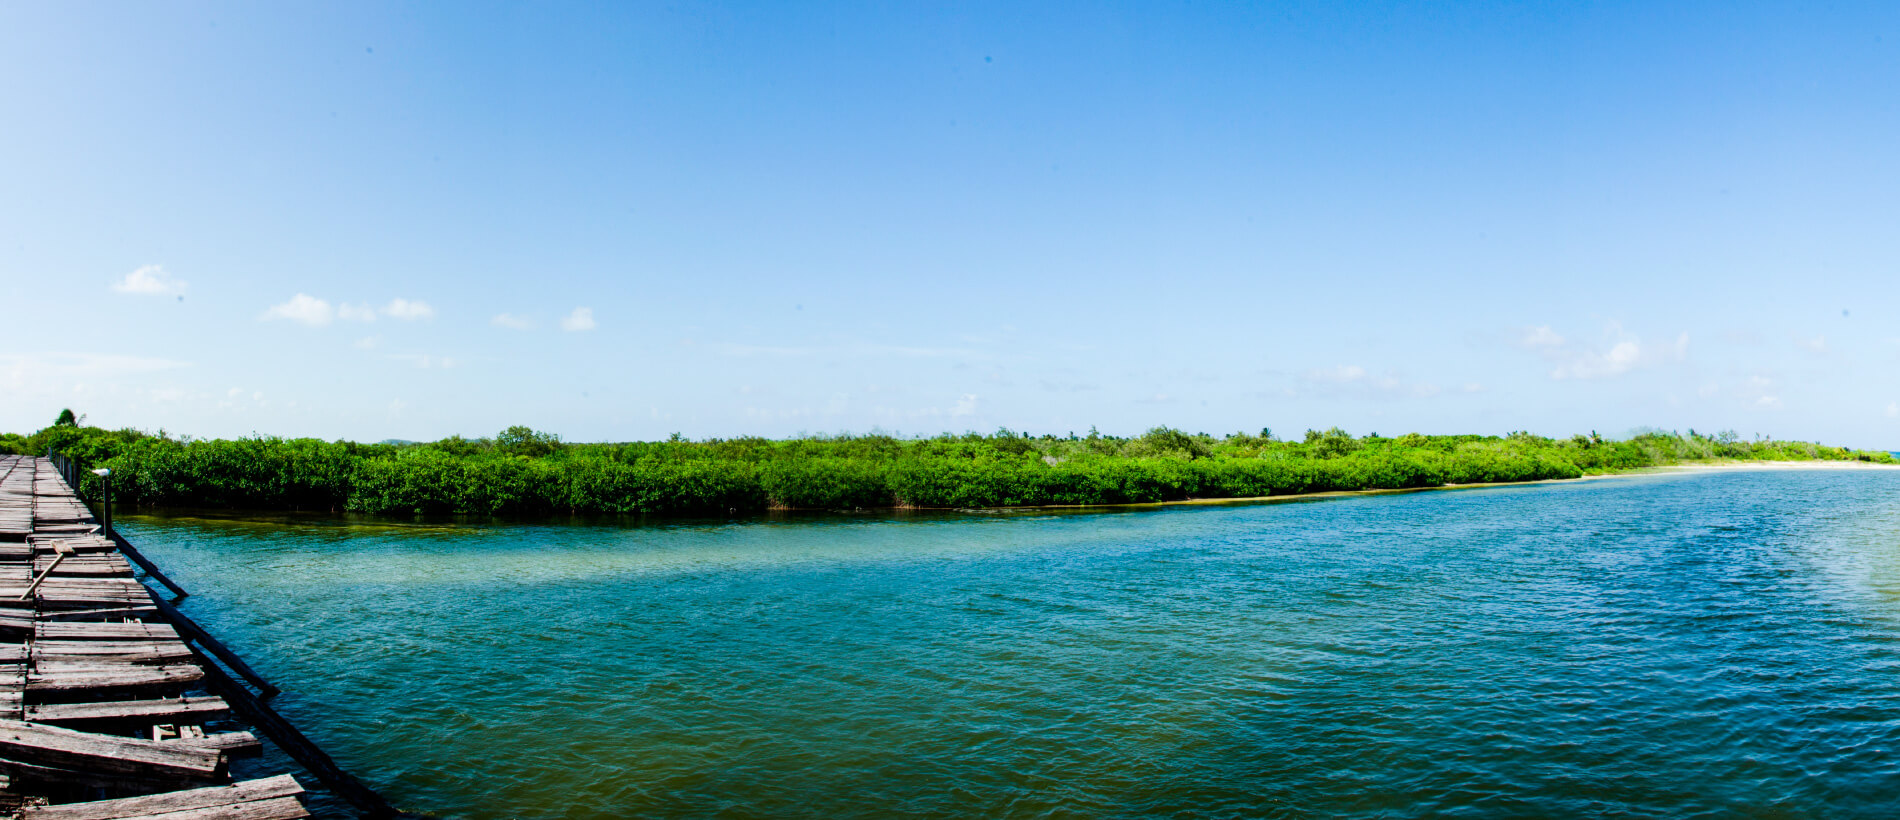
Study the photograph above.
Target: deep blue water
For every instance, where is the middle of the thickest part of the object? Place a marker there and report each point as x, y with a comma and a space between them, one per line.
1713, 644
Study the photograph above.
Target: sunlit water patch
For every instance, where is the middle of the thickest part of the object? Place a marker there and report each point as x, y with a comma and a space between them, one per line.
1666, 645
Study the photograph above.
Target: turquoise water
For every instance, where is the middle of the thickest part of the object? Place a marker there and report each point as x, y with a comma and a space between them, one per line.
1707, 644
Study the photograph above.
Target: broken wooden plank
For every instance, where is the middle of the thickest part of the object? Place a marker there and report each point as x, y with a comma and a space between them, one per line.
109, 652
51, 664
277, 808
107, 613
35, 744
64, 631
280, 787
233, 744
79, 678
112, 677
163, 709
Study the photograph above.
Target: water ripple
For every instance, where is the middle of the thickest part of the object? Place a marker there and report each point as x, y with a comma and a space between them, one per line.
1692, 645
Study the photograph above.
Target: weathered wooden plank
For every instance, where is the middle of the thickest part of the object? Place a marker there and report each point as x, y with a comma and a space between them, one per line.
90, 567
53, 647
249, 791
145, 654
281, 808
165, 710
233, 744
99, 614
18, 773
161, 655
36, 744
128, 677
63, 631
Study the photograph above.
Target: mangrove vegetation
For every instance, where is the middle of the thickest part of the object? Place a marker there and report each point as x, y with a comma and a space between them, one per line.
526, 472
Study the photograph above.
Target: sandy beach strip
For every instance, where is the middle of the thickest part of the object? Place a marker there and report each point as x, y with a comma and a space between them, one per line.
1781, 465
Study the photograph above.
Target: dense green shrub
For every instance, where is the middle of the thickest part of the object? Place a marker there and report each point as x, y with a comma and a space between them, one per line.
525, 472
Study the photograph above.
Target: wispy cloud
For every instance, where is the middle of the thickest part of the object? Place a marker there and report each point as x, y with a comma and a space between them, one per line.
581, 319
310, 310
234, 399
1341, 374
1816, 345
424, 360
1541, 336
511, 321
408, 311
303, 309
1618, 352
361, 312
150, 280
844, 350
46, 373
1759, 391
1354, 381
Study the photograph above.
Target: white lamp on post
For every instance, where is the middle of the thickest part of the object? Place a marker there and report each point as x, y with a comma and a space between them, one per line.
105, 481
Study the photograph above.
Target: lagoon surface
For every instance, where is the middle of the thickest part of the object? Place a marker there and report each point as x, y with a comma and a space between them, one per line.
1714, 643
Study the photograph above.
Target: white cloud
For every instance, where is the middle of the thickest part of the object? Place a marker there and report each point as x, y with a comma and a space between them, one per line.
509, 320
1589, 364
396, 406
408, 311
361, 312
844, 350
1760, 392
1541, 336
45, 376
1620, 352
1353, 380
315, 312
150, 279
424, 360
1893, 409
1816, 345
369, 342
303, 309
1342, 374
581, 319
965, 406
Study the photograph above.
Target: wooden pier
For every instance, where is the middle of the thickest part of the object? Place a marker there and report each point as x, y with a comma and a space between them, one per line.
105, 711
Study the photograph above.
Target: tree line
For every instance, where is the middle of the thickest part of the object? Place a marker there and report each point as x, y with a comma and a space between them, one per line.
524, 472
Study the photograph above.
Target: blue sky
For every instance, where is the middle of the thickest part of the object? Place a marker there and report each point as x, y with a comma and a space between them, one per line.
620, 221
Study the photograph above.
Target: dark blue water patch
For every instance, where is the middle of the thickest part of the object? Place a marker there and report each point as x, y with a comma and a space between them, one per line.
1682, 645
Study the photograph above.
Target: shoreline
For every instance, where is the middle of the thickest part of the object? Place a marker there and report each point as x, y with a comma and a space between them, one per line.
1695, 467
1779, 465
1699, 466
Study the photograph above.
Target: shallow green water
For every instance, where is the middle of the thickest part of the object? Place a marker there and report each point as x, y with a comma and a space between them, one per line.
1711, 644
